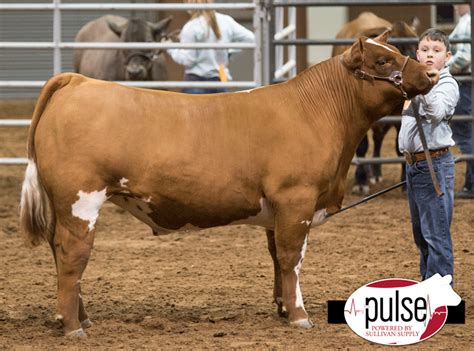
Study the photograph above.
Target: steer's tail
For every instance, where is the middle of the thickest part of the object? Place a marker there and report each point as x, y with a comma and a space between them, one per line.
34, 201
33, 207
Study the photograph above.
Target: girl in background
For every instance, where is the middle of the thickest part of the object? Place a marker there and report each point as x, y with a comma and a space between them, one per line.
208, 26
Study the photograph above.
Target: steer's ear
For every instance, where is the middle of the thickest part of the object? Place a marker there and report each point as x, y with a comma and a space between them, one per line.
383, 38
352, 58
159, 27
415, 24
117, 28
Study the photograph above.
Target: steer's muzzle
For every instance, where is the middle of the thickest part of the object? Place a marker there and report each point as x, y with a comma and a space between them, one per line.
136, 72
433, 76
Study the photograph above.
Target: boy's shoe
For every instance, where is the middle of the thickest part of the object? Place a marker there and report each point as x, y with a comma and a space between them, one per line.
465, 194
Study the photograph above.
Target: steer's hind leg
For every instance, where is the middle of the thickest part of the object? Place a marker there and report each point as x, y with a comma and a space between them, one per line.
72, 244
292, 225
379, 132
362, 173
83, 316
277, 293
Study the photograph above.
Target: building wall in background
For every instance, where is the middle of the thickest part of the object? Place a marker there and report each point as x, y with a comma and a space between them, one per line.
323, 23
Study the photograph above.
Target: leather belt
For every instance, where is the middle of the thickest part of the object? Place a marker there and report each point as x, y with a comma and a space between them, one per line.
420, 156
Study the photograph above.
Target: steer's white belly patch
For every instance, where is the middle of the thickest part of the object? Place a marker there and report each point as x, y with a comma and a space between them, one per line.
265, 218
319, 218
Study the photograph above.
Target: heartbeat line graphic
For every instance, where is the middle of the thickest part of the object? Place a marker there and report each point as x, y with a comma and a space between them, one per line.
353, 309
430, 312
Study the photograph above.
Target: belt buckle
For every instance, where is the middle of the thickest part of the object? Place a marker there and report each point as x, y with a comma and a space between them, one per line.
408, 157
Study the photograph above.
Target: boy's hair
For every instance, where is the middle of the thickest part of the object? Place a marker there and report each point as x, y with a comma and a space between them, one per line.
437, 35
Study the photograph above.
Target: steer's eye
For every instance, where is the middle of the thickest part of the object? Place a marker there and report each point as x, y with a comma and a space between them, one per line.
381, 61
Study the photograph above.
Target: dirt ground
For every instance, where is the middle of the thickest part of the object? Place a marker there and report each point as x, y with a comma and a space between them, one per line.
213, 289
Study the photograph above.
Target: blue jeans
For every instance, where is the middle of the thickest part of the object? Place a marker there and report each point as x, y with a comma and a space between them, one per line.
195, 78
462, 131
431, 215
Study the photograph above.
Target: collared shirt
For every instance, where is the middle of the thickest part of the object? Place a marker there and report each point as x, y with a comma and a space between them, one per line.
460, 62
436, 109
205, 63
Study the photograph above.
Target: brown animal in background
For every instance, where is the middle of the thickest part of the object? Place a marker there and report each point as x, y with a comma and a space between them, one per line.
275, 156
115, 64
370, 25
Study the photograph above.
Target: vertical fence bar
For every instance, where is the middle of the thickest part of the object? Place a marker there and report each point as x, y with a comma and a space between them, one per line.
265, 21
292, 48
57, 37
269, 46
279, 24
258, 52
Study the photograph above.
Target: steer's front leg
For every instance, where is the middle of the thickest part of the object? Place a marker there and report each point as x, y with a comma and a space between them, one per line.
292, 225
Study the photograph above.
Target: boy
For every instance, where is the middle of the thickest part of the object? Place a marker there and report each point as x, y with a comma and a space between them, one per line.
431, 215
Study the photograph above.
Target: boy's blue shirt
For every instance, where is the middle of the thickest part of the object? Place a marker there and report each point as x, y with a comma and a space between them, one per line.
436, 108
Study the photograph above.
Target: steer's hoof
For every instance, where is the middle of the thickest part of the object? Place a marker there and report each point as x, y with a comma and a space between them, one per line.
77, 334
302, 323
376, 179
86, 323
282, 312
361, 189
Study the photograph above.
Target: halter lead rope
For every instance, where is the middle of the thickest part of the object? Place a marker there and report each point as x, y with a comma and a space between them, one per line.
367, 198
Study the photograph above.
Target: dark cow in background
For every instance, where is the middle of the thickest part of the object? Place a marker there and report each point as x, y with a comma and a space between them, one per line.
370, 25
114, 64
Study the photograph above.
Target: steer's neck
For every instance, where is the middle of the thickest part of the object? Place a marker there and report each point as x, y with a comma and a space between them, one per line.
328, 91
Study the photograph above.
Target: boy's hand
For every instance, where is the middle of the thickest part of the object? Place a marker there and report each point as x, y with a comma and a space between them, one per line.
406, 104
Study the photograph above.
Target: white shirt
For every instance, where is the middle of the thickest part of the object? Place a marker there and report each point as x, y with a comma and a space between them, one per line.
205, 62
460, 62
436, 109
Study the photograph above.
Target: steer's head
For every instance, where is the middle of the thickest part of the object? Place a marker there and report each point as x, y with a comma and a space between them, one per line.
382, 65
138, 62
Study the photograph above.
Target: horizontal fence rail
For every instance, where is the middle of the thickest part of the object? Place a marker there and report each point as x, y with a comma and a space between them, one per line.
357, 161
308, 3
13, 161
398, 119
389, 119
126, 7
393, 40
111, 45
144, 84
